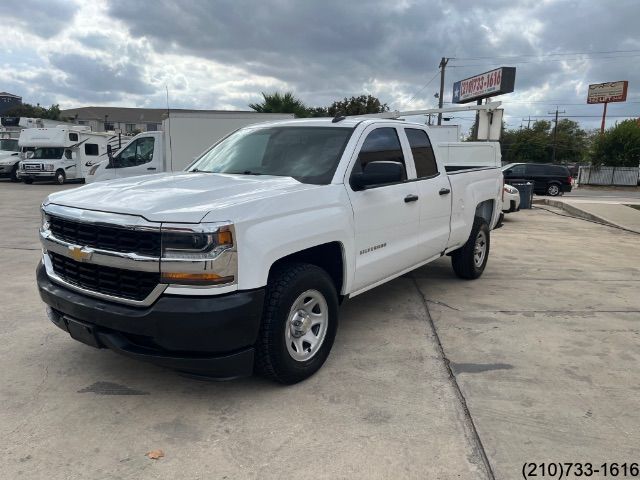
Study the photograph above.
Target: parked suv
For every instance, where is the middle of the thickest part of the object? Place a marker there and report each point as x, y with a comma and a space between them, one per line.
547, 179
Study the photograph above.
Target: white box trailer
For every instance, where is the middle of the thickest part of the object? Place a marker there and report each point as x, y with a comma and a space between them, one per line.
184, 136
61, 153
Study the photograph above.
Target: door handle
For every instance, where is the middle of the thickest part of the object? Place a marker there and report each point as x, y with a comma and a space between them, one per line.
410, 198
444, 191
151, 168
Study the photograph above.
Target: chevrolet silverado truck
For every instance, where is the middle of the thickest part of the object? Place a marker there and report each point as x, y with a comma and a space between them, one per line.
239, 264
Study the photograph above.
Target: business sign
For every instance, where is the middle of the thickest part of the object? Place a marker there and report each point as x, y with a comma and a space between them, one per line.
488, 84
608, 92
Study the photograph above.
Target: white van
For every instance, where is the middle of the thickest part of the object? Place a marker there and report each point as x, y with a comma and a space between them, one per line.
61, 153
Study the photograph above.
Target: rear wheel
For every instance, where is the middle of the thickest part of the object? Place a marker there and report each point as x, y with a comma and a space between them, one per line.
470, 261
60, 177
553, 189
299, 323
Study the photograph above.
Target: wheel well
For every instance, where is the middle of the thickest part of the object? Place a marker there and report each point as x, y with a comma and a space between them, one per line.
485, 210
327, 256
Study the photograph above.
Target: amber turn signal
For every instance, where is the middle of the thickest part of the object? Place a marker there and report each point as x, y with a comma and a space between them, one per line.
195, 278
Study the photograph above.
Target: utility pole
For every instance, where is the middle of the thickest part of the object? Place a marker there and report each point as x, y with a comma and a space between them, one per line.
555, 135
529, 123
443, 64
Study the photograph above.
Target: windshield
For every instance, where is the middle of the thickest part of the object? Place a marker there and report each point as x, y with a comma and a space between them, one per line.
10, 144
308, 154
47, 153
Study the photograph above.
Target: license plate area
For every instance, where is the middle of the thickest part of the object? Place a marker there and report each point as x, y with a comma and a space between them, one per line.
82, 332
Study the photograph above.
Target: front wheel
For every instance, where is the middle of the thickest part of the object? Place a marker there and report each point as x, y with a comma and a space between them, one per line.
470, 261
299, 323
60, 177
14, 174
553, 190
28, 181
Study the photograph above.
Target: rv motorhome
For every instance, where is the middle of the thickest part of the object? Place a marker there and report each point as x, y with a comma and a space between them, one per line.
10, 128
62, 153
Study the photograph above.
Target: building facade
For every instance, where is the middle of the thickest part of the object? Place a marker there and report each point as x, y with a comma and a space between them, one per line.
118, 119
9, 101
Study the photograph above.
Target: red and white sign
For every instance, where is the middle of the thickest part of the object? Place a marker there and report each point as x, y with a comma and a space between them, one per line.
479, 86
608, 92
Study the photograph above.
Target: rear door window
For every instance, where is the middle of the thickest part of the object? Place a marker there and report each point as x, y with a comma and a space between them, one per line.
536, 170
422, 152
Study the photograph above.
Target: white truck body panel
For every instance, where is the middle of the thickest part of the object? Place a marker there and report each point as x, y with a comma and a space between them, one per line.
380, 235
469, 154
184, 136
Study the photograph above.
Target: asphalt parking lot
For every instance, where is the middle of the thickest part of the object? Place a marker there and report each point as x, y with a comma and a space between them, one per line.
430, 376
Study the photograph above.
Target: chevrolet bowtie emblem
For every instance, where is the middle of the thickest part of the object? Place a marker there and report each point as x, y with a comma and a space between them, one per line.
80, 254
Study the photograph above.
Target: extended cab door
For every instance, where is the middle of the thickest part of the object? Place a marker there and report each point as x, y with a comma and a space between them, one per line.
386, 216
435, 195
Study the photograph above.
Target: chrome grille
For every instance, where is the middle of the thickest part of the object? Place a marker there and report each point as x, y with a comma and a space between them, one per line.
129, 284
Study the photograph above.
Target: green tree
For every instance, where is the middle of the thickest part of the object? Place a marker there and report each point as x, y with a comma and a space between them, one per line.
31, 111
618, 146
318, 112
360, 105
535, 144
280, 103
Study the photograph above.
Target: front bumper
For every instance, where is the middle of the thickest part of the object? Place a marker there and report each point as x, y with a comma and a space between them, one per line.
36, 174
211, 336
6, 170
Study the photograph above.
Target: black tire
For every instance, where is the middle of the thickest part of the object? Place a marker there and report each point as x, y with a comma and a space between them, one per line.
286, 284
554, 189
60, 177
28, 181
14, 174
463, 260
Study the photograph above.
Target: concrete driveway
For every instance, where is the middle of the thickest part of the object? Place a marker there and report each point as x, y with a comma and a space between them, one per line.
543, 350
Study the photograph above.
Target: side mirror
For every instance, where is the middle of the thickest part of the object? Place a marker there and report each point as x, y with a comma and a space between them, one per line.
28, 155
109, 152
377, 173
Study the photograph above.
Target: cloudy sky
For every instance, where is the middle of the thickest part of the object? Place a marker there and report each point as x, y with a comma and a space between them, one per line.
221, 54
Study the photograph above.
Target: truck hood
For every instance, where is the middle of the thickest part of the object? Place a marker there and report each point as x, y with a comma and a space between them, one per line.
8, 158
176, 197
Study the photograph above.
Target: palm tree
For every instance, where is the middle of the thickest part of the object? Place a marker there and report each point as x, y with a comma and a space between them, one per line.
280, 103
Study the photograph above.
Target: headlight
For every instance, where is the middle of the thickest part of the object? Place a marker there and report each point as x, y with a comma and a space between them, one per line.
195, 242
49, 167
202, 254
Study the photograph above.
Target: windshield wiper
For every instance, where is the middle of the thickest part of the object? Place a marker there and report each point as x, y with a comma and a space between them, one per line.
246, 172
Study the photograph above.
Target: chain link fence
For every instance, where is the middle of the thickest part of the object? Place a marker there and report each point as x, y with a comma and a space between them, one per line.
618, 176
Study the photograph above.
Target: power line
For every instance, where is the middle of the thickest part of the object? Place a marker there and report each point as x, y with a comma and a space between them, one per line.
547, 54
521, 62
424, 86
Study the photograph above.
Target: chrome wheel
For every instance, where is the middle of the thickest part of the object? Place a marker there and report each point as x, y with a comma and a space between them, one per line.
480, 249
553, 190
306, 325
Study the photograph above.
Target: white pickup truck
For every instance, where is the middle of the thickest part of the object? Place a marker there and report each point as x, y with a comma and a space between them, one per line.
241, 262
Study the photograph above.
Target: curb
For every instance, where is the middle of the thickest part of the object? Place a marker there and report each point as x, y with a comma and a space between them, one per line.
575, 211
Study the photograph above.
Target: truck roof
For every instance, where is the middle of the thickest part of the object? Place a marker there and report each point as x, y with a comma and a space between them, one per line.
350, 121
